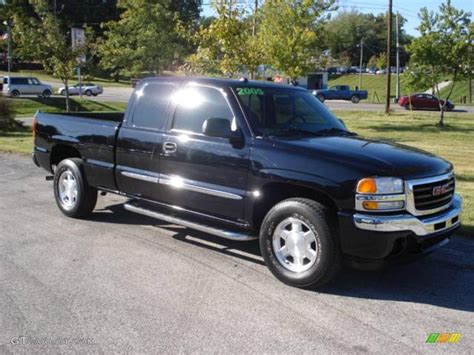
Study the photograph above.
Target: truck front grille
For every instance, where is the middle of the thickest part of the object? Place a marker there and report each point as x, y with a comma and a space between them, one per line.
433, 195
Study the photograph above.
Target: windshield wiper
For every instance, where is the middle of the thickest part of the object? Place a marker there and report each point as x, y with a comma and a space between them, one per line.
334, 130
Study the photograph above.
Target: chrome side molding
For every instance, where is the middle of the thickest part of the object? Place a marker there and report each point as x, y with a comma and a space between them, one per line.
193, 225
180, 183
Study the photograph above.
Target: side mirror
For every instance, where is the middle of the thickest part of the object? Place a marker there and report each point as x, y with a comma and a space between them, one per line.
221, 127
343, 123
217, 127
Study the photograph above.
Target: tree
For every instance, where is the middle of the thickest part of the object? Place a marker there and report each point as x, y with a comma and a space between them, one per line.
379, 61
225, 45
290, 32
344, 32
47, 40
7, 116
146, 38
441, 51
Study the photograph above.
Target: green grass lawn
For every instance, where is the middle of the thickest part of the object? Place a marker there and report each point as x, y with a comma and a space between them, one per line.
372, 83
29, 106
460, 89
454, 142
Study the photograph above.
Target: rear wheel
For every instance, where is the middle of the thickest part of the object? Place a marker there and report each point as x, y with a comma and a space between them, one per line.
321, 97
74, 197
355, 99
15, 93
298, 243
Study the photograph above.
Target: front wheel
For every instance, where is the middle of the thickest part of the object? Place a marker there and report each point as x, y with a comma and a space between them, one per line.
88, 93
298, 243
47, 93
74, 197
321, 98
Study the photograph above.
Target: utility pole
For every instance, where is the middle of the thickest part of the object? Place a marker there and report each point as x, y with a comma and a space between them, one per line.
389, 54
360, 64
9, 48
398, 55
254, 30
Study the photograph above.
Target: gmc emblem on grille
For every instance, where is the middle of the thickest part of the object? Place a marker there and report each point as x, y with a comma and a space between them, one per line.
440, 190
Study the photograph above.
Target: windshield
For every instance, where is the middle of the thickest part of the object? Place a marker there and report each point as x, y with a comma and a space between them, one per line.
273, 111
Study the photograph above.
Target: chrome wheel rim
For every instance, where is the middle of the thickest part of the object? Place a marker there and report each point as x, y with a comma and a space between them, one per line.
295, 245
67, 188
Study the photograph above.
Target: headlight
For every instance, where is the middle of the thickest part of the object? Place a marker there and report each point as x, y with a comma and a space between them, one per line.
380, 194
380, 186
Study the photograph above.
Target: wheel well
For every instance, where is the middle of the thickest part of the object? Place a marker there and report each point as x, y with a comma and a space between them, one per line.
61, 152
273, 193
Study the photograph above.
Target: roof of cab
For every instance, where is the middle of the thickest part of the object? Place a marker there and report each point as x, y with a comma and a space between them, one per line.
220, 82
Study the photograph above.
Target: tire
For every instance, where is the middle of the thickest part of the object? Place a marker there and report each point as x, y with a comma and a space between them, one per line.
15, 93
355, 99
321, 97
46, 93
94, 94
320, 240
79, 199
62, 92
88, 93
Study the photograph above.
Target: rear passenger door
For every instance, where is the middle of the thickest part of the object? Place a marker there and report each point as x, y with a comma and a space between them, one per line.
201, 173
140, 140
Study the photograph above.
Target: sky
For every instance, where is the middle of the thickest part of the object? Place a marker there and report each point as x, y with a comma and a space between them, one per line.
408, 8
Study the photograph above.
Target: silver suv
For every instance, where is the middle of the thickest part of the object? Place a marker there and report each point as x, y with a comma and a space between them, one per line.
16, 86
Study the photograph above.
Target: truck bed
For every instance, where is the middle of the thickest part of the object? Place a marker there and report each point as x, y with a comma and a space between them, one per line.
92, 135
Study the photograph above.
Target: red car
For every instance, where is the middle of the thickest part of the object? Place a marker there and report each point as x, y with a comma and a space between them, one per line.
423, 102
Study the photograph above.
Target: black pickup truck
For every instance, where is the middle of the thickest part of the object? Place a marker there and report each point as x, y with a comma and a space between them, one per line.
250, 160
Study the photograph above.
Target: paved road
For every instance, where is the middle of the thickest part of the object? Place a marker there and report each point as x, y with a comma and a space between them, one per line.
123, 282
123, 94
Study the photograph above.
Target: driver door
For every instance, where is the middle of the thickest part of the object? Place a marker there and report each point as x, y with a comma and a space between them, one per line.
201, 173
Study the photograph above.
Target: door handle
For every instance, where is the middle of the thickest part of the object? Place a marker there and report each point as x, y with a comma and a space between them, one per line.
170, 147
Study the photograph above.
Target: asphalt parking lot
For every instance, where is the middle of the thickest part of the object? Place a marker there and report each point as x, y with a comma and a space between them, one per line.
123, 282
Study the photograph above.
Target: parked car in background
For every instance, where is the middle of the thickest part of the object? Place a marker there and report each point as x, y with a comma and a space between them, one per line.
381, 71
422, 101
88, 89
17, 86
341, 92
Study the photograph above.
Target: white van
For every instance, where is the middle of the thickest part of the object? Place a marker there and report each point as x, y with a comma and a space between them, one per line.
16, 86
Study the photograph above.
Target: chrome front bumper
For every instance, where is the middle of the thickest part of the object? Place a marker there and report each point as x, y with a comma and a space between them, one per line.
443, 221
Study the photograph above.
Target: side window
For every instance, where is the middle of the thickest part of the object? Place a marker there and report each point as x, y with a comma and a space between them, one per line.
152, 105
194, 105
19, 81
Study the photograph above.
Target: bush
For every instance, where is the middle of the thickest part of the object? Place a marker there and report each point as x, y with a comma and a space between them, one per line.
7, 116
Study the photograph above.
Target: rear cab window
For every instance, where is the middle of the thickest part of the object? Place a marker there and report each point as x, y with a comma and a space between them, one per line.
151, 107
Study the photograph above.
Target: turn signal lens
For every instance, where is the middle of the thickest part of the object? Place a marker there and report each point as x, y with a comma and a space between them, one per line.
367, 186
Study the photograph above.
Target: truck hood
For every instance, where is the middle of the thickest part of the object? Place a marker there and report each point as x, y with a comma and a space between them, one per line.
372, 157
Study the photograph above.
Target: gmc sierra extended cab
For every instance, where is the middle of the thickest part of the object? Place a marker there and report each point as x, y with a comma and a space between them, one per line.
250, 160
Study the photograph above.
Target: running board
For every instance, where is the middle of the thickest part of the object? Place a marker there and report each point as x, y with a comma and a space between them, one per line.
193, 225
